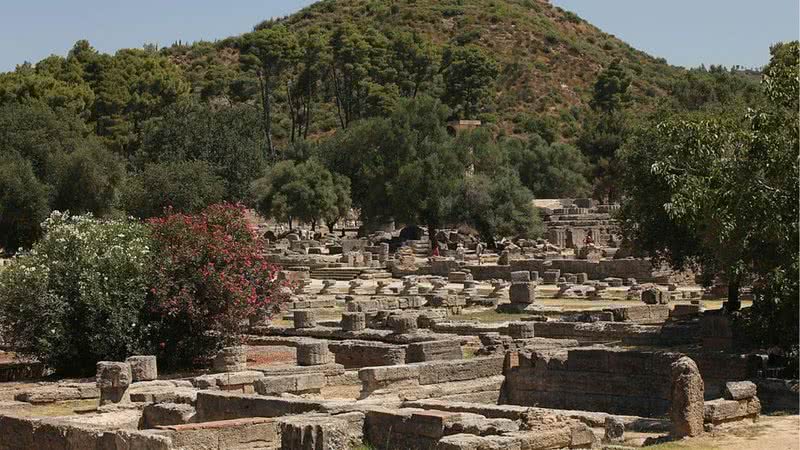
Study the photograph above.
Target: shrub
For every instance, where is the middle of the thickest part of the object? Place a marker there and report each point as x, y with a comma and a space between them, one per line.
205, 288
77, 297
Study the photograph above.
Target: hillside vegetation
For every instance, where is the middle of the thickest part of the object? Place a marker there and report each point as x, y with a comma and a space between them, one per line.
547, 58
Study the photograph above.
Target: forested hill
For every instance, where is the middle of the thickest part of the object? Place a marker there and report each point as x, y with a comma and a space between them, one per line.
545, 59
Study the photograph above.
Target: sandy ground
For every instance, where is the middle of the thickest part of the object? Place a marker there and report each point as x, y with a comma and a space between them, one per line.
769, 433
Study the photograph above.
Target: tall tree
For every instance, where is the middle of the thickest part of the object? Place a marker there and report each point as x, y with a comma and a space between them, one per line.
722, 192
611, 88
350, 69
306, 191
468, 76
269, 52
304, 88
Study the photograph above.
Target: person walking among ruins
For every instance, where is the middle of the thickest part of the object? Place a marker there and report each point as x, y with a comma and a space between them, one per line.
479, 251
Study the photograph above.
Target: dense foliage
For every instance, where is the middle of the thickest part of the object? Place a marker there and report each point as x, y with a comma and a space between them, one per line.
181, 186
721, 192
305, 191
78, 296
210, 278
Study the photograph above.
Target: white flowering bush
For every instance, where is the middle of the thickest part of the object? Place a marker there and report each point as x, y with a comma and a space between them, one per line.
78, 296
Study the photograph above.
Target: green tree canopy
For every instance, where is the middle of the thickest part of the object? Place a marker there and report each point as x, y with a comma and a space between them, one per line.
723, 194
305, 191
552, 170
184, 186
23, 203
468, 75
225, 137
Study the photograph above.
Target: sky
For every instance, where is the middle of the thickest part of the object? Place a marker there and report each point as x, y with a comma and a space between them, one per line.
685, 32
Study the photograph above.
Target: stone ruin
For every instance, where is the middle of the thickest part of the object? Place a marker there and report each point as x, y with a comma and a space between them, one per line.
388, 359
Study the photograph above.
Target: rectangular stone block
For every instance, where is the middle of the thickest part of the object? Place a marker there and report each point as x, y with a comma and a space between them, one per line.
434, 350
521, 276
523, 293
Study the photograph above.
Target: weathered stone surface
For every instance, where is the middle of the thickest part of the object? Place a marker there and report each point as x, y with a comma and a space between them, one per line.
521, 276
230, 359
653, 295
614, 430
402, 323
312, 353
167, 414
521, 330
740, 390
686, 399
433, 350
357, 353
293, 384
113, 379
57, 393
304, 318
524, 293
721, 410
340, 432
354, 321
143, 368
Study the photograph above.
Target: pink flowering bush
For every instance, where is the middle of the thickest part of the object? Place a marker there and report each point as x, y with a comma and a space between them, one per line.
209, 279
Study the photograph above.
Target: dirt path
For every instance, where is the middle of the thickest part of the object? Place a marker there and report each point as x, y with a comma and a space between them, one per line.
769, 433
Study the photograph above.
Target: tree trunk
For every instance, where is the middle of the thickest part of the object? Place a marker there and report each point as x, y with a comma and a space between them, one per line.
268, 115
734, 303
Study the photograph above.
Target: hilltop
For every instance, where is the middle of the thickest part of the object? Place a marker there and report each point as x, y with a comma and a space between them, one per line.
547, 58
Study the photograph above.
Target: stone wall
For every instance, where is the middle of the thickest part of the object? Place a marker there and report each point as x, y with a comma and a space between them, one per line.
649, 384
479, 379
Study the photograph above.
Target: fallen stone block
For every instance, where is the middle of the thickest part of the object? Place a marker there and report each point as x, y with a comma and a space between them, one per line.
143, 368
113, 379
167, 414
739, 390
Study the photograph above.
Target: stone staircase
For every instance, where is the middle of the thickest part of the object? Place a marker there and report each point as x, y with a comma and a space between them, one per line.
336, 273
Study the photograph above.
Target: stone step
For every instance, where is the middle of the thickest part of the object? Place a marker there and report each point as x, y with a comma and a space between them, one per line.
340, 274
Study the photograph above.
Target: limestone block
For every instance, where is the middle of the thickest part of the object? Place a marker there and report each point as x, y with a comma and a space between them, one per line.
434, 350
143, 368
520, 276
294, 384
230, 359
739, 390
304, 318
521, 330
402, 323
113, 379
551, 276
312, 353
654, 296
341, 432
720, 410
522, 293
581, 278
353, 321
160, 414
686, 399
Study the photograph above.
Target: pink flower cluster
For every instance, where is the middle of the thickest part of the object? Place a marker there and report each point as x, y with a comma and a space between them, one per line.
211, 272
